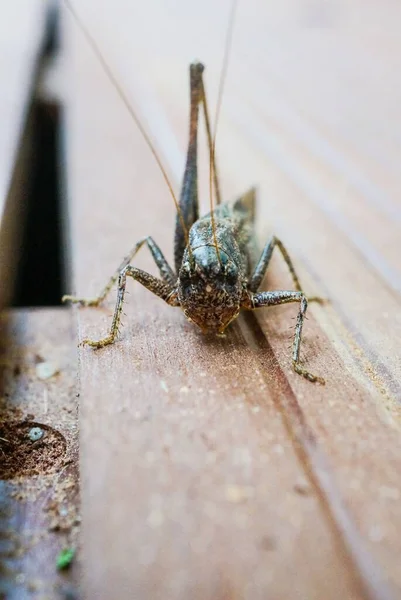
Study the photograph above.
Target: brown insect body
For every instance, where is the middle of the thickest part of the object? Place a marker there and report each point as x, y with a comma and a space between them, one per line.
216, 273
212, 283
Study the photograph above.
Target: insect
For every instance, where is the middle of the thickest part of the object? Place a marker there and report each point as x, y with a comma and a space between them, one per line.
217, 270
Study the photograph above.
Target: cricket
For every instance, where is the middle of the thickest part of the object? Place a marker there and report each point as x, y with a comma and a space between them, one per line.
217, 269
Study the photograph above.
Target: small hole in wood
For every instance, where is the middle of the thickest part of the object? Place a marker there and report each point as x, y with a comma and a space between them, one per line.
21, 454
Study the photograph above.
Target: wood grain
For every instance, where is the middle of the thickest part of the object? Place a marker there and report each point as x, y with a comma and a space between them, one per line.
209, 469
39, 513
22, 34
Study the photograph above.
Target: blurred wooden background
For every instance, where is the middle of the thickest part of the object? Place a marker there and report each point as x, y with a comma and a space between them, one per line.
209, 469
38, 482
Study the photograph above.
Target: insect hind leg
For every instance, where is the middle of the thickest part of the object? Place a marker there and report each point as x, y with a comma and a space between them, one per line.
189, 203
165, 270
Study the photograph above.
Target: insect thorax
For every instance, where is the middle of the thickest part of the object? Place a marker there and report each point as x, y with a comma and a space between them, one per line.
210, 284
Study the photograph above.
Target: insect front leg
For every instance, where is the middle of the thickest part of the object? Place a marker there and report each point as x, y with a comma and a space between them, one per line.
165, 270
264, 261
260, 299
164, 290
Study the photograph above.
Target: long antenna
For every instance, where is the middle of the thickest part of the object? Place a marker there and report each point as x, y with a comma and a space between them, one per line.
91, 41
224, 68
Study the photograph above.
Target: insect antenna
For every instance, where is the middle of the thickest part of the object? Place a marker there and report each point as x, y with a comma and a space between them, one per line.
95, 48
212, 166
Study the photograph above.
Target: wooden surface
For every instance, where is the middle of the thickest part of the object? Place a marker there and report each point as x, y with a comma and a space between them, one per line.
209, 469
22, 34
39, 503
38, 480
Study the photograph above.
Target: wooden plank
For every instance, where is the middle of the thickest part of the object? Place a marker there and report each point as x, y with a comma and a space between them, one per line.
22, 33
213, 470
38, 506
38, 479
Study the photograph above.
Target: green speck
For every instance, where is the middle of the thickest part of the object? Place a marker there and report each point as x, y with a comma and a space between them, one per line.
65, 558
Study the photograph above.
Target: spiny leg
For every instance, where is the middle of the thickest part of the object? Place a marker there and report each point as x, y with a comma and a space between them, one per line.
189, 205
210, 143
264, 261
259, 299
165, 270
162, 289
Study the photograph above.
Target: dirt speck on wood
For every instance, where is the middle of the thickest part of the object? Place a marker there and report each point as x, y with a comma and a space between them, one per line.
22, 456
